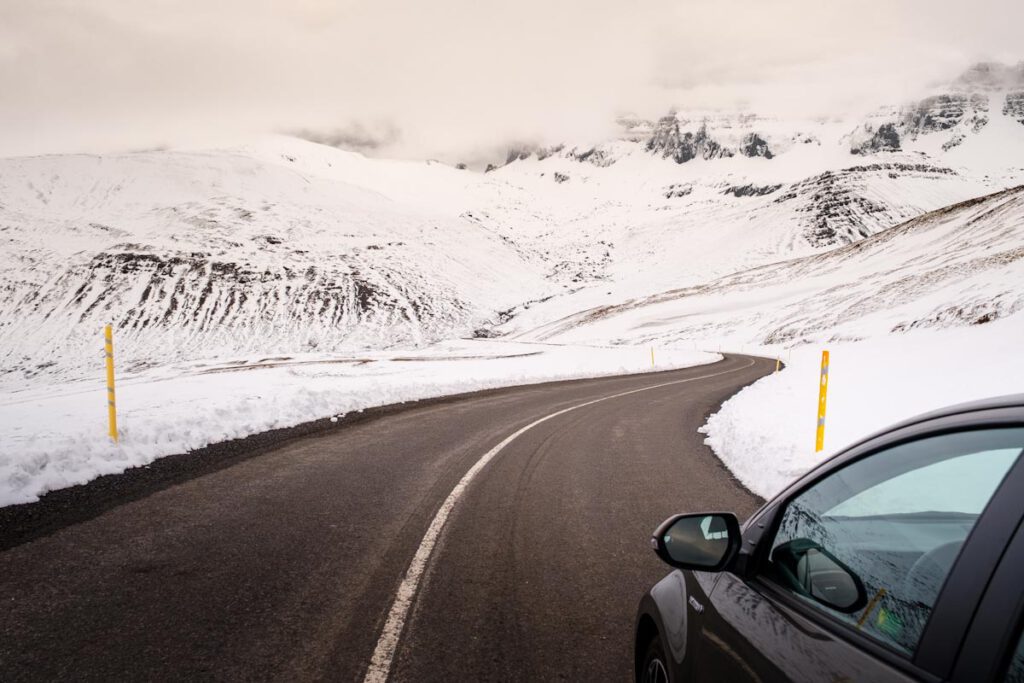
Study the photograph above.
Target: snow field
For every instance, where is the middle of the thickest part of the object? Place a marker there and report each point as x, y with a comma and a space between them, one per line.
765, 433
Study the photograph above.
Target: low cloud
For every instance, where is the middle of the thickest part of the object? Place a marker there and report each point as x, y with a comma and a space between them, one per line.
452, 77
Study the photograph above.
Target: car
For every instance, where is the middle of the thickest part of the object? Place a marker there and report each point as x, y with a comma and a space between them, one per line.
901, 558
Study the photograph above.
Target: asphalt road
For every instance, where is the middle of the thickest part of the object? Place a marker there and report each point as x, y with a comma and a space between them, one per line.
284, 566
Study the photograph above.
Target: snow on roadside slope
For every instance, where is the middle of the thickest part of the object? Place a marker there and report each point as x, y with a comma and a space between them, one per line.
765, 433
55, 436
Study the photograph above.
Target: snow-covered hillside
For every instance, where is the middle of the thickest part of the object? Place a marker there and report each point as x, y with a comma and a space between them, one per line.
208, 254
958, 266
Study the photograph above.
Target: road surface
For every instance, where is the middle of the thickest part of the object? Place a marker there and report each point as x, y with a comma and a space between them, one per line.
286, 566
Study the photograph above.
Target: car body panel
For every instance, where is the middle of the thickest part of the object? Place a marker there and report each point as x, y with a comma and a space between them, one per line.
742, 618
744, 623
670, 595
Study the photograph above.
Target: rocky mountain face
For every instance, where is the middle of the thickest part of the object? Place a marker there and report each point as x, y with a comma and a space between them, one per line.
836, 207
963, 110
1013, 107
954, 115
671, 142
942, 112
681, 146
885, 138
828, 172
754, 146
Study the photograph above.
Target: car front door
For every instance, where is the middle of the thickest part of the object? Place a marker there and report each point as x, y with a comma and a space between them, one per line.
850, 567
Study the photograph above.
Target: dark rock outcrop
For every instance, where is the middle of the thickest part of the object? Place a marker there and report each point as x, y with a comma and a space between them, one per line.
754, 145
676, 190
1014, 106
835, 208
681, 147
592, 155
884, 139
545, 152
751, 190
518, 152
943, 112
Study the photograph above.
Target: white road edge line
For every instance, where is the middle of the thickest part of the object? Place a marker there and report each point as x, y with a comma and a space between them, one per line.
387, 644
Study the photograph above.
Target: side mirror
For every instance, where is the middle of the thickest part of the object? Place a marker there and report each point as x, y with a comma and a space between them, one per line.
704, 541
817, 574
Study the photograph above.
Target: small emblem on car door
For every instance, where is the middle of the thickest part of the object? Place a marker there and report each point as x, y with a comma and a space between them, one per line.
699, 608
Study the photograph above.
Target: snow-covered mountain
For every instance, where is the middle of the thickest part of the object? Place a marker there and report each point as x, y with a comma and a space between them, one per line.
287, 246
696, 195
843, 178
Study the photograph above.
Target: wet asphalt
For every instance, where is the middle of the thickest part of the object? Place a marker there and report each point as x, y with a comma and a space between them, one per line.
277, 557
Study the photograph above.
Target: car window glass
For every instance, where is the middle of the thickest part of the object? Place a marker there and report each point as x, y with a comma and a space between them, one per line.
1015, 674
872, 543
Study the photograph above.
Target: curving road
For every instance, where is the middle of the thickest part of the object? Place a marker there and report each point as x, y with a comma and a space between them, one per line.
286, 565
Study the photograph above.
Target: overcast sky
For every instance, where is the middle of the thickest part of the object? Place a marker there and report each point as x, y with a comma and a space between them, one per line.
452, 76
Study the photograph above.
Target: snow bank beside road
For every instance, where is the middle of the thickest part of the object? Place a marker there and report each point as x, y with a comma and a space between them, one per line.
55, 437
765, 433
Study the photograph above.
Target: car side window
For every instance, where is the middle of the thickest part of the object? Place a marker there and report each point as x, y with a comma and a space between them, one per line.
871, 544
1015, 672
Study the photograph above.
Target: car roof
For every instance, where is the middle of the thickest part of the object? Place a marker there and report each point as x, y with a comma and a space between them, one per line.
996, 402
1010, 401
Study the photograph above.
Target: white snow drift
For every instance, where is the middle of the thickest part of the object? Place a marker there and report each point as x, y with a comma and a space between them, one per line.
765, 434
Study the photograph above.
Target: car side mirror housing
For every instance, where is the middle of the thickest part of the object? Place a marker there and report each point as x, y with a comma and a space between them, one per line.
702, 541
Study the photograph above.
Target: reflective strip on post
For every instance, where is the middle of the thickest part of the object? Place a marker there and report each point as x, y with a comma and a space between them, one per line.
108, 338
819, 441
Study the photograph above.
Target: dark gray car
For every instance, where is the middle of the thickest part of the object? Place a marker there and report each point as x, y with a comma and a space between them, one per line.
899, 559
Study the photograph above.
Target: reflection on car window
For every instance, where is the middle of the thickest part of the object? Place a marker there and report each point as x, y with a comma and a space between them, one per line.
1015, 674
872, 543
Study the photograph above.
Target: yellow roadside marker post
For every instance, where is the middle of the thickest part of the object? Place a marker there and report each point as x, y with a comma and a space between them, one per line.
778, 364
652, 356
871, 606
108, 337
819, 442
